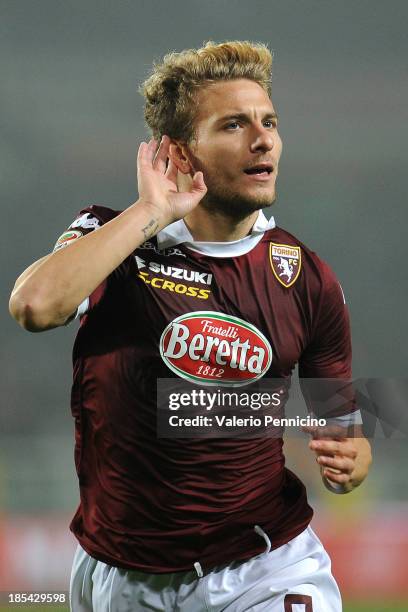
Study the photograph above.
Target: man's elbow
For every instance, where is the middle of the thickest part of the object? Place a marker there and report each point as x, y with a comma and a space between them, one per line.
32, 315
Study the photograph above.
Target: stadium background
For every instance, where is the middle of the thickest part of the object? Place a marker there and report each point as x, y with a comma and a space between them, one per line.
71, 125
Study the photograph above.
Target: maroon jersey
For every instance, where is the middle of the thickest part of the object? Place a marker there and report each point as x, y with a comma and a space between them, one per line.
174, 309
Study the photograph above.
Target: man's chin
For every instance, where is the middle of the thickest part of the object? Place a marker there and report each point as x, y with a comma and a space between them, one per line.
237, 205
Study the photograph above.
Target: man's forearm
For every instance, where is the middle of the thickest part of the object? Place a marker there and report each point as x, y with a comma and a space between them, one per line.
50, 290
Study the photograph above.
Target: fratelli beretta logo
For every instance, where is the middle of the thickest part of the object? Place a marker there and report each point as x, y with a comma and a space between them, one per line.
212, 348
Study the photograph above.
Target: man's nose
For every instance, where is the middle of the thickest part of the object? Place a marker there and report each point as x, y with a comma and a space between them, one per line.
262, 139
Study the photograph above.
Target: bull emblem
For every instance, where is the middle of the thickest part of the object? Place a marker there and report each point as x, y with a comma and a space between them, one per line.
287, 269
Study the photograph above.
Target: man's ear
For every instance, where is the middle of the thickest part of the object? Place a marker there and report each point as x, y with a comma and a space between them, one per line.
178, 156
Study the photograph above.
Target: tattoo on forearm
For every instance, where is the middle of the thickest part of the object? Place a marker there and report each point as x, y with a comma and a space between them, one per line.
150, 229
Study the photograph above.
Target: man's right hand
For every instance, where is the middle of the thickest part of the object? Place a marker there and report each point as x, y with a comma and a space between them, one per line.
158, 183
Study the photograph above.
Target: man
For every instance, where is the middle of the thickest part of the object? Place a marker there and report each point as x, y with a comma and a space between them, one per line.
192, 524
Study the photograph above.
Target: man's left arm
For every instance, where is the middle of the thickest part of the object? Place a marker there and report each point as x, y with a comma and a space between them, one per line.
342, 451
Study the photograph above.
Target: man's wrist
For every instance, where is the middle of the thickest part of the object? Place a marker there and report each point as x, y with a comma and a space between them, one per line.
158, 213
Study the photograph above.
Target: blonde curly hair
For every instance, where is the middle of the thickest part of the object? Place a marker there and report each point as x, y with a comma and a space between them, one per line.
170, 91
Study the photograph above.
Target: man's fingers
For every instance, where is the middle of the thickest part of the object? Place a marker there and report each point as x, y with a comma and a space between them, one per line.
152, 156
171, 172
337, 464
160, 159
151, 150
339, 478
146, 153
333, 447
141, 153
154, 177
198, 185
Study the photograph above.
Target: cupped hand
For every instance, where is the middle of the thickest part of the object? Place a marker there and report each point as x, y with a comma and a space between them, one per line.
157, 183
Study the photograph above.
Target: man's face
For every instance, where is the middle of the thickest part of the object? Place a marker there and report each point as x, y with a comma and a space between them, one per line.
236, 146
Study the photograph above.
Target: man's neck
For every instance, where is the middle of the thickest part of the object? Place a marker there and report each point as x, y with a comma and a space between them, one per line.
216, 227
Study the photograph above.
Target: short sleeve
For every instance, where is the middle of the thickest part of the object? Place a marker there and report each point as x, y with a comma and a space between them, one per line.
328, 355
88, 220
84, 223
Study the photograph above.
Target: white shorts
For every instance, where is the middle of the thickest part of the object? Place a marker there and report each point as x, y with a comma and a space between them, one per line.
295, 577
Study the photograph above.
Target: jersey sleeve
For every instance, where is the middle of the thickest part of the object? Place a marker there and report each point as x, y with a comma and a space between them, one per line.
88, 220
84, 223
325, 364
328, 355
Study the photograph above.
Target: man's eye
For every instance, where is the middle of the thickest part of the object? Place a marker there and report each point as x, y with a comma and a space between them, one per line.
232, 125
270, 123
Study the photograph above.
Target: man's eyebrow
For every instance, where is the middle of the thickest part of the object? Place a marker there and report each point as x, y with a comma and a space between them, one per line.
245, 117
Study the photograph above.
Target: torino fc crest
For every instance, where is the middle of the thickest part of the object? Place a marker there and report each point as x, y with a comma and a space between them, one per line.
286, 261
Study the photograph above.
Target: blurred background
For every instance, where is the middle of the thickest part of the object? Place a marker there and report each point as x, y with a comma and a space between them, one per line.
71, 123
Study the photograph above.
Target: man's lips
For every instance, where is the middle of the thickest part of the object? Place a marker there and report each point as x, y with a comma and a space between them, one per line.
263, 176
261, 168
260, 172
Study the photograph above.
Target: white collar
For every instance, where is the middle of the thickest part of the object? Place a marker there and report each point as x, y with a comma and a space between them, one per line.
177, 233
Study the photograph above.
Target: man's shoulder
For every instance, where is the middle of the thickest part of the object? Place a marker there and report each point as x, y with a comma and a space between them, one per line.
97, 211
280, 236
